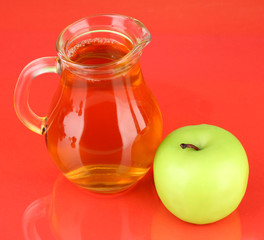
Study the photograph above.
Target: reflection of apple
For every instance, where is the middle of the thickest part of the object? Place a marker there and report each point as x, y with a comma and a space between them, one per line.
167, 227
201, 173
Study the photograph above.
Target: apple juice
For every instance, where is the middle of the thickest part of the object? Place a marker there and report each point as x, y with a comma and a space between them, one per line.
103, 133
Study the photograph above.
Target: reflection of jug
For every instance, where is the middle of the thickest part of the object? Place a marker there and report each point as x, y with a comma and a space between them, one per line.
104, 125
74, 214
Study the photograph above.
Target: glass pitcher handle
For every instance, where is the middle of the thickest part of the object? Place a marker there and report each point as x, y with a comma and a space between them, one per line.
32, 70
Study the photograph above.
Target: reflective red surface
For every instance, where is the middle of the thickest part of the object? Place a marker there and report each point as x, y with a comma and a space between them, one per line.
73, 213
205, 64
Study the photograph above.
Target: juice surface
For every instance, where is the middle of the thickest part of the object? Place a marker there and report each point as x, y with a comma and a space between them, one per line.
97, 51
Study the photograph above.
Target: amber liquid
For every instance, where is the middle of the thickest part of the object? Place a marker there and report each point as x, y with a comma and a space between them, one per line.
103, 134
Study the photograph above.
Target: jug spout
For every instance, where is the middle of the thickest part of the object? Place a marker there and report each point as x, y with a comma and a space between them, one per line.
141, 34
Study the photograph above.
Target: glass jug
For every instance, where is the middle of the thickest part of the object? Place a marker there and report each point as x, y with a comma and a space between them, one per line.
104, 124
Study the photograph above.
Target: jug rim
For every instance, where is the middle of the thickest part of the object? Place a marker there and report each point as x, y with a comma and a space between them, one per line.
140, 43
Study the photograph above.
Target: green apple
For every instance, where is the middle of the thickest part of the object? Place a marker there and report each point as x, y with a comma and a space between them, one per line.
201, 173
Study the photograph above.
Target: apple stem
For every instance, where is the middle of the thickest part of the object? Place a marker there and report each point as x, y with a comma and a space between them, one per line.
183, 146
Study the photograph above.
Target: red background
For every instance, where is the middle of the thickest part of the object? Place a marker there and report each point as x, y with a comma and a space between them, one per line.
205, 64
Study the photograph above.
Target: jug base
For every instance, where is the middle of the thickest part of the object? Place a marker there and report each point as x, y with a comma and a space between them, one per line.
106, 178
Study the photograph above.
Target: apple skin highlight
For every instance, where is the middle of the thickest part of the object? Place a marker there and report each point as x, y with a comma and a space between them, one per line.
201, 185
